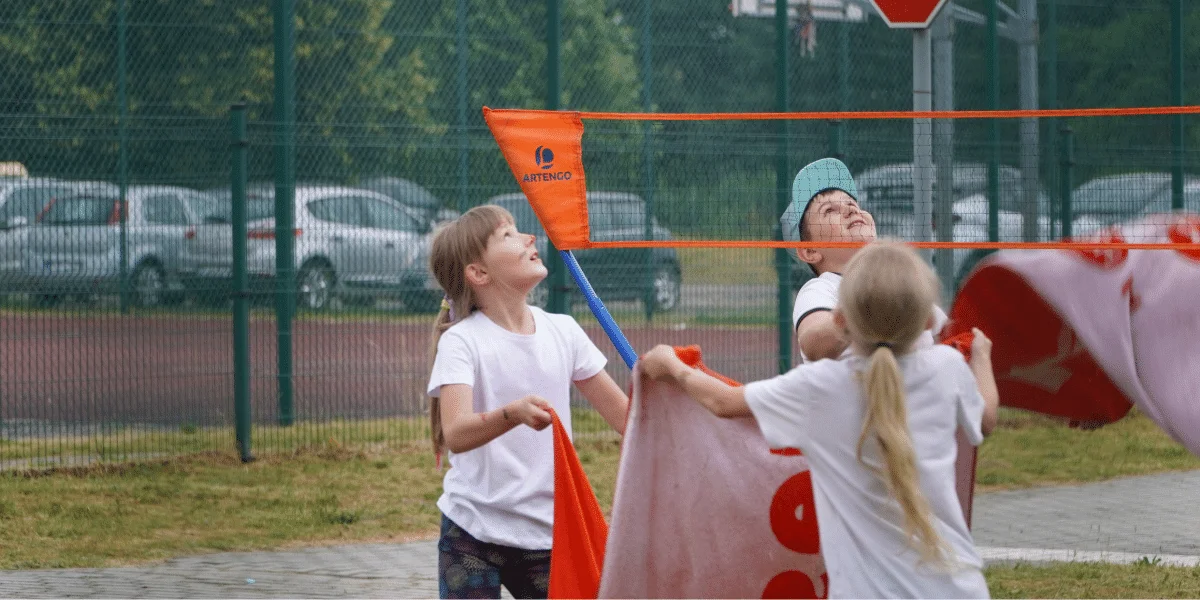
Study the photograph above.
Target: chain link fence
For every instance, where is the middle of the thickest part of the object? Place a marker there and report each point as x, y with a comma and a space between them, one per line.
116, 191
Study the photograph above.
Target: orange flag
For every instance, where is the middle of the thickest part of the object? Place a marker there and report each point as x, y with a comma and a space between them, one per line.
544, 149
580, 531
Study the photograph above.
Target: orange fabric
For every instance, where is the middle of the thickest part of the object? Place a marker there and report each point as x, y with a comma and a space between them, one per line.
544, 149
962, 343
580, 531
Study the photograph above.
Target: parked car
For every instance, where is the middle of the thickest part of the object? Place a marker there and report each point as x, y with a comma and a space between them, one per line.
1096, 204
352, 244
616, 274
412, 195
21, 200
76, 247
887, 191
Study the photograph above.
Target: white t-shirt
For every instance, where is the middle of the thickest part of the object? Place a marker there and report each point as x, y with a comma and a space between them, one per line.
821, 293
819, 408
503, 491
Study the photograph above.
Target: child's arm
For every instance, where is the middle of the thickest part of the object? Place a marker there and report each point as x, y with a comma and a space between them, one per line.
981, 367
607, 398
466, 429
718, 397
819, 337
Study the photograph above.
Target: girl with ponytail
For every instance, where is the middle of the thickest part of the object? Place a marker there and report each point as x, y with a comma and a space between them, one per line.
499, 367
878, 430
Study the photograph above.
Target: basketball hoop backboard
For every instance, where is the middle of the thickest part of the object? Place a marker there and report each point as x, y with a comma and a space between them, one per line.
823, 10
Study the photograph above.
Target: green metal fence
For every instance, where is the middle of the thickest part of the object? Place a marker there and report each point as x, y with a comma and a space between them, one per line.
120, 301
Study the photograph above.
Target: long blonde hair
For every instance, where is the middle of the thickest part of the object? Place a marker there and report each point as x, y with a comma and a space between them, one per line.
455, 245
887, 297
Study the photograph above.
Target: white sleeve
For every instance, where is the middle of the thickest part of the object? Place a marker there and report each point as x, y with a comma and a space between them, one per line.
970, 401
817, 294
939, 321
452, 364
589, 360
780, 406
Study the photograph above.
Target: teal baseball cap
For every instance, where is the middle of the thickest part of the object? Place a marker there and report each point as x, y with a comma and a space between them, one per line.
814, 178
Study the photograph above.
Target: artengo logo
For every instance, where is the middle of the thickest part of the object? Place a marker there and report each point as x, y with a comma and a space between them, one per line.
544, 158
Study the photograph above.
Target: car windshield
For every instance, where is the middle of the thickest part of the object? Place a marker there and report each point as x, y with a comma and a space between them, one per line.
1119, 194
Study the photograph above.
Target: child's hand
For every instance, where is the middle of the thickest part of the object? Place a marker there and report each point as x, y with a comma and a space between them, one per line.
531, 410
981, 346
660, 363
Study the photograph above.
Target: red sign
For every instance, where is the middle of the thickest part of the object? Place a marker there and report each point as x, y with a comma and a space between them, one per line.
908, 14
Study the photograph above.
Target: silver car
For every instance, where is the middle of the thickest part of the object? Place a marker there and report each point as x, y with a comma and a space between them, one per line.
21, 201
76, 247
353, 244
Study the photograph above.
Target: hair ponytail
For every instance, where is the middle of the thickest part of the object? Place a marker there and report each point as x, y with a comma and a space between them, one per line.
454, 246
887, 296
887, 421
440, 324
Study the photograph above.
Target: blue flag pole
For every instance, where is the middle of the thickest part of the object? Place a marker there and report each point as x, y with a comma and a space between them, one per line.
606, 321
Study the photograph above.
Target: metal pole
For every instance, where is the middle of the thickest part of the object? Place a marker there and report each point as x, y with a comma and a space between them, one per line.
844, 65
1177, 100
1066, 162
1052, 92
648, 152
241, 289
123, 151
783, 266
1028, 90
993, 86
922, 137
837, 140
943, 139
558, 301
285, 190
463, 141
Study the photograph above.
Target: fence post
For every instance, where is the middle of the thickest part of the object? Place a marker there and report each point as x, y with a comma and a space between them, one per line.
464, 144
241, 290
558, 301
1177, 100
285, 193
1066, 162
993, 89
650, 293
123, 152
783, 266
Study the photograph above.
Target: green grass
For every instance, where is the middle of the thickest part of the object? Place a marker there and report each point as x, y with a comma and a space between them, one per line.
1030, 450
1145, 579
345, 481
322, 494
740, 266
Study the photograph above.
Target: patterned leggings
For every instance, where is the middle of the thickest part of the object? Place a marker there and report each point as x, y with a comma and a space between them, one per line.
469, 568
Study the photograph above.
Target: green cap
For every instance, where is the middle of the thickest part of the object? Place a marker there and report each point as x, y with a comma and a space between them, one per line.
816, 177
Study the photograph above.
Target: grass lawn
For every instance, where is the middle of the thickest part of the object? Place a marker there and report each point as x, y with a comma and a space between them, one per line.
1144, 579
740, 266
380, 490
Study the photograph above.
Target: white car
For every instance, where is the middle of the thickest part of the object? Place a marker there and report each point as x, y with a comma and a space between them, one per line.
352, 244
1096, 204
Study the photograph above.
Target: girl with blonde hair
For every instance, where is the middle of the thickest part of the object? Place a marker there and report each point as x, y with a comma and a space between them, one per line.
878, 430
499, 367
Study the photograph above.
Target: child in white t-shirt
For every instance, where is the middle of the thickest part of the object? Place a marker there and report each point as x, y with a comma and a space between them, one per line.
500, 364
878, 430
825, 208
